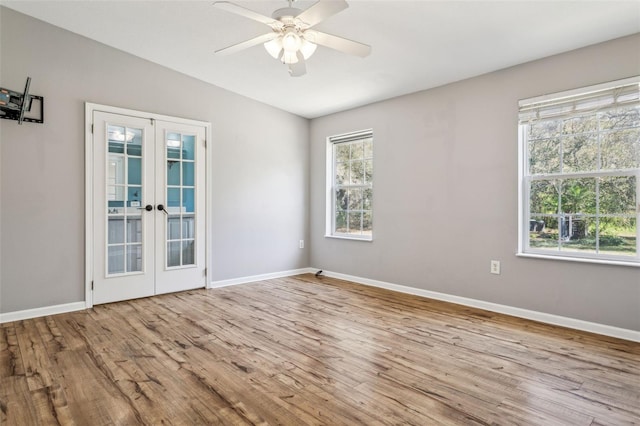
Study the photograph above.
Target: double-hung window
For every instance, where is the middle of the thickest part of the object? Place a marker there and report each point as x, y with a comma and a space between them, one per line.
350, 185
580, 173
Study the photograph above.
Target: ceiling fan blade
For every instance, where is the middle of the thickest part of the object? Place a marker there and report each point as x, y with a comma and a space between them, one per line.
321, 11
338, 43
246, 44
247, 13
299, 68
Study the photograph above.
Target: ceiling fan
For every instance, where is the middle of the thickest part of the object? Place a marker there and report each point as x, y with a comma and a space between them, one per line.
292, 39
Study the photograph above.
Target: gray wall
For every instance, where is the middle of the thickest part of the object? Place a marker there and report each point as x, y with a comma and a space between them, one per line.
445, 193
260, 167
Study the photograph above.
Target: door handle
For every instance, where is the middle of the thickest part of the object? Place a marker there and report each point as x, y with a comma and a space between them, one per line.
162, 209
148, 207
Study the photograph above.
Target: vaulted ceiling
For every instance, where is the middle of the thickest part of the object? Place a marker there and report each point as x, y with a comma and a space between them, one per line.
416, 44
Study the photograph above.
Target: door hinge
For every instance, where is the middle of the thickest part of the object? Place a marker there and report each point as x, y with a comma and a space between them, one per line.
205, 143
205, 272
91, 285
152, 121
92, 129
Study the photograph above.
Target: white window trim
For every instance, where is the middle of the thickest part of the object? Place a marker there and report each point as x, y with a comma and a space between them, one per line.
523, 195
329, 173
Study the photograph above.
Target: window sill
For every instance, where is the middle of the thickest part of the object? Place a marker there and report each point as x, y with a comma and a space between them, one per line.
344, 237
579, 259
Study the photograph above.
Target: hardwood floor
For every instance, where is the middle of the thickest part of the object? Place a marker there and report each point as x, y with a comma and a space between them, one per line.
306, 350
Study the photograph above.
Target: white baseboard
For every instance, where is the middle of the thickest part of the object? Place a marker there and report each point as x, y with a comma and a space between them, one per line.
607, 330
41, 312
262, 277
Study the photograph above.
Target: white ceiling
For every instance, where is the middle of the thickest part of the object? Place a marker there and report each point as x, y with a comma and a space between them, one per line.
416, 44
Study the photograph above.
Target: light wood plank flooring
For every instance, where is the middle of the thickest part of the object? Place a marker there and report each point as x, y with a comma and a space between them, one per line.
308, 350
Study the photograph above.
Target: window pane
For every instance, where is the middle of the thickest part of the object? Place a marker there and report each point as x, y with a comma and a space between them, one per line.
174, 145
621, 149
367, 226
115, 199
134, 142
544, 156
368, 171
357, 150
618, 236
580, 124
173, 172
115, 134
543, 232
116, 230
188, 227
188, 253
134, 230
341, 221
579, 196
173, 198
578, 234
173, 253
580, 153
173, 227
544, 129
342, 152
620, 118
135, 171
342, 173
355, 222
188, 200
544, 196
355, 199
618, 195
367, 196
115, 260
188, 147
116, 170
134, 194
368, 148
342, 200
188, 173
134, 258
357, 172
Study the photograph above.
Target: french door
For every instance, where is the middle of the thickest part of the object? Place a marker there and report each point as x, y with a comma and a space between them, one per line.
148, 207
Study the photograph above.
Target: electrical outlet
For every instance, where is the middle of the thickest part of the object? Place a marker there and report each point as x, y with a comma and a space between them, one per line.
495, 267
301, 244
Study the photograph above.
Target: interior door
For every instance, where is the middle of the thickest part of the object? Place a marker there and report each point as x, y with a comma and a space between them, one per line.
180, 189
123, 185
148, 207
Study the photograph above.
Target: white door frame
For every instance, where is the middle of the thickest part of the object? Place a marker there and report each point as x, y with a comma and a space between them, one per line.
89, 219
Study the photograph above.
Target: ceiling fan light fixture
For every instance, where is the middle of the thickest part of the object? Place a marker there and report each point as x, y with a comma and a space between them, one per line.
290, 57
274, 47
291, 42
307, 48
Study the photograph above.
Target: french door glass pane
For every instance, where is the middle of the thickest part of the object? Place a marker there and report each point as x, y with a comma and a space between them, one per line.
116, 230
188, 257
173, 224
173, 253
173, 172
134, 258
188, 174
134, 230
116, 259
124, 199
180, 197
188, 148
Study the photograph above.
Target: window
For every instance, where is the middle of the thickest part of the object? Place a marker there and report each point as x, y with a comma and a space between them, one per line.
580, 173
350, 185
